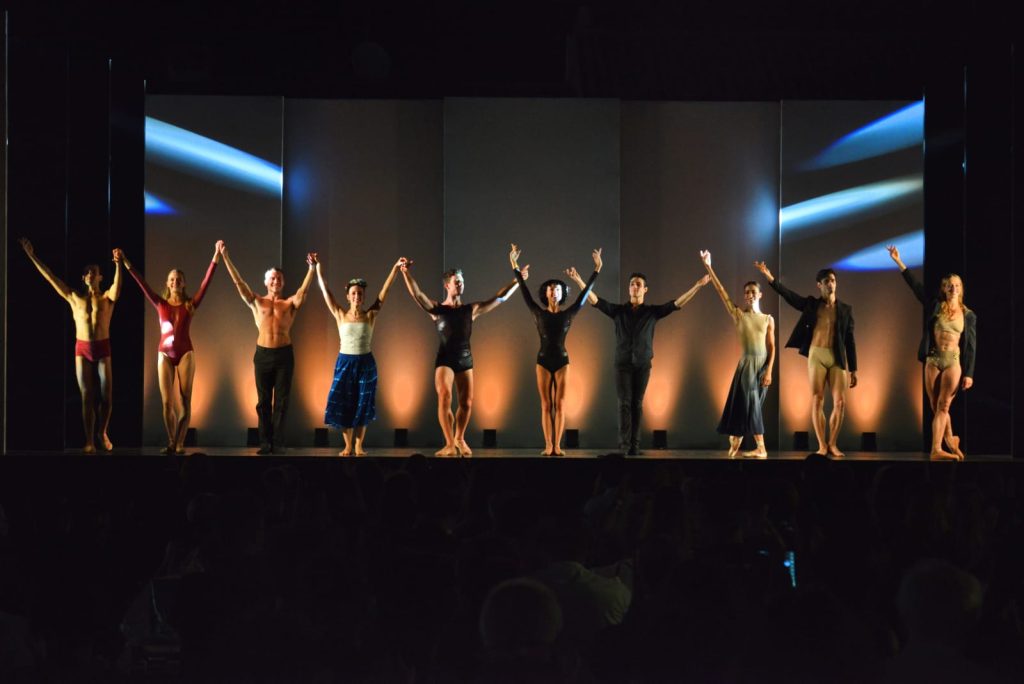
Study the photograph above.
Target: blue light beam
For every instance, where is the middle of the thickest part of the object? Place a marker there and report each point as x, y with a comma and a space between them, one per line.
188, 151
900, 130
847, 202
155, 205
876, 257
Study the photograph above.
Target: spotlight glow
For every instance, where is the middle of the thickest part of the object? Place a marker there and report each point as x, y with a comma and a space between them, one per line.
876, 258
155, 205
802, 215
900, 130
182, 149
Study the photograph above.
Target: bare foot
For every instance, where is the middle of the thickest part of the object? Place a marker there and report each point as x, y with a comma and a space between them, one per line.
463, 448
822, 451
953, 442
88, 449
447, 450
755, 453
345, 452
558, 452
834, 451
107, 444
360, 452
939, 455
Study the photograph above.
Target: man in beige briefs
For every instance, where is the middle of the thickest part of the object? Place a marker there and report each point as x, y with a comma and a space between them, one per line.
274, 360
824, 334
92, 312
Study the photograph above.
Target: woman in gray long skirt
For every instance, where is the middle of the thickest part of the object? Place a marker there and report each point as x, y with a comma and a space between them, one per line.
742, 414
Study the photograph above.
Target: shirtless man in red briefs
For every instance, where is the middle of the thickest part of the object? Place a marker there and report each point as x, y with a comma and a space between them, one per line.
92, 312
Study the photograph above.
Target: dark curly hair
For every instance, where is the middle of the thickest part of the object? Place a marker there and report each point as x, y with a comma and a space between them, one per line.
542, 291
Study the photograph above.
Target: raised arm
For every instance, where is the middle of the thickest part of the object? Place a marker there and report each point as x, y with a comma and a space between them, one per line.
62, 289
582, 284
769, 343
197, 298
332, 303
908, 277
682, 299
386, 287
587, 288
424, 302
513, 258
121, 258
299, 298
705, 256
792, 298
114, 291
244, 291
503, 294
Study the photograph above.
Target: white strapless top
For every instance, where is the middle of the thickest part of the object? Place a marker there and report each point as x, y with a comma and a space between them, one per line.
355, 337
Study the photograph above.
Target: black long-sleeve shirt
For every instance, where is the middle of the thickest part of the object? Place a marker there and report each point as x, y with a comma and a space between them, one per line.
634, 329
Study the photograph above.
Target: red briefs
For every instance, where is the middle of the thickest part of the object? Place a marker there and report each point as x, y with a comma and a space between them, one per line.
92, 350
175, 320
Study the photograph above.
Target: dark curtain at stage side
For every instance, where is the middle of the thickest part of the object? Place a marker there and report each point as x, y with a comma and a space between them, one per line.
852, 182
546, 175
363, 185
213, 171
698, 176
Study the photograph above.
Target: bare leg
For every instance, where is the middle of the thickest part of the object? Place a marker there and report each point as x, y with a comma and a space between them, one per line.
818, 376
443, 378
544, 382
464, 386
105, 370
837, 381
945, 383
734, 445
346, 434
561, 378
84, 371
360, 434
186, 375
166, 375
759, 451
931, 388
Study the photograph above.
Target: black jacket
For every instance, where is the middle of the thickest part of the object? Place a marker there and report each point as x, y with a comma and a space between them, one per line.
969, 339
843, 346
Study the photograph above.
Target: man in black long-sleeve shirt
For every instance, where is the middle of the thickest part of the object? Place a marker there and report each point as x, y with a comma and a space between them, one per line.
634, 349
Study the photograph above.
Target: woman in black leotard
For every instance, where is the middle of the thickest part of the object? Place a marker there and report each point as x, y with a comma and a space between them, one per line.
552, 360
454, 364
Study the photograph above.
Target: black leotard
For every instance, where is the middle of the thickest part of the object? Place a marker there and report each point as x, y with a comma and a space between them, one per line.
454, 327
553, 327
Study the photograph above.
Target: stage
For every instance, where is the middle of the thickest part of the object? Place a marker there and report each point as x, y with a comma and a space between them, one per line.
304, 453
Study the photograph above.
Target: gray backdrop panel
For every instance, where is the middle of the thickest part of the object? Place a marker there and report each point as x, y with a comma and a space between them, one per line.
364, 187
543, 174
223, 330
697, 176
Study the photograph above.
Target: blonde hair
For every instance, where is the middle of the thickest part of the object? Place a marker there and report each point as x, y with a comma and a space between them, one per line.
184, 295
942, 288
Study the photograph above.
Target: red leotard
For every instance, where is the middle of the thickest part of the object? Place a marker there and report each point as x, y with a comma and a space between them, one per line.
174, 319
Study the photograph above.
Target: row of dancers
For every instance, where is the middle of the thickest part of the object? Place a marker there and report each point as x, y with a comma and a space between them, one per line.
824, 334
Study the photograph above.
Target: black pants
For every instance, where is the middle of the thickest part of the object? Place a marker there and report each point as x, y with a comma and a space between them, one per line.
631, 384
274, 369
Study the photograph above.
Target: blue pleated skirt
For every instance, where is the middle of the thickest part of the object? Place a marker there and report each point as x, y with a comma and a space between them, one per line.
352, 399
743, 407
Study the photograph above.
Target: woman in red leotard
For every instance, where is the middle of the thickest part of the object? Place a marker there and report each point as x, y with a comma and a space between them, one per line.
175, 359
